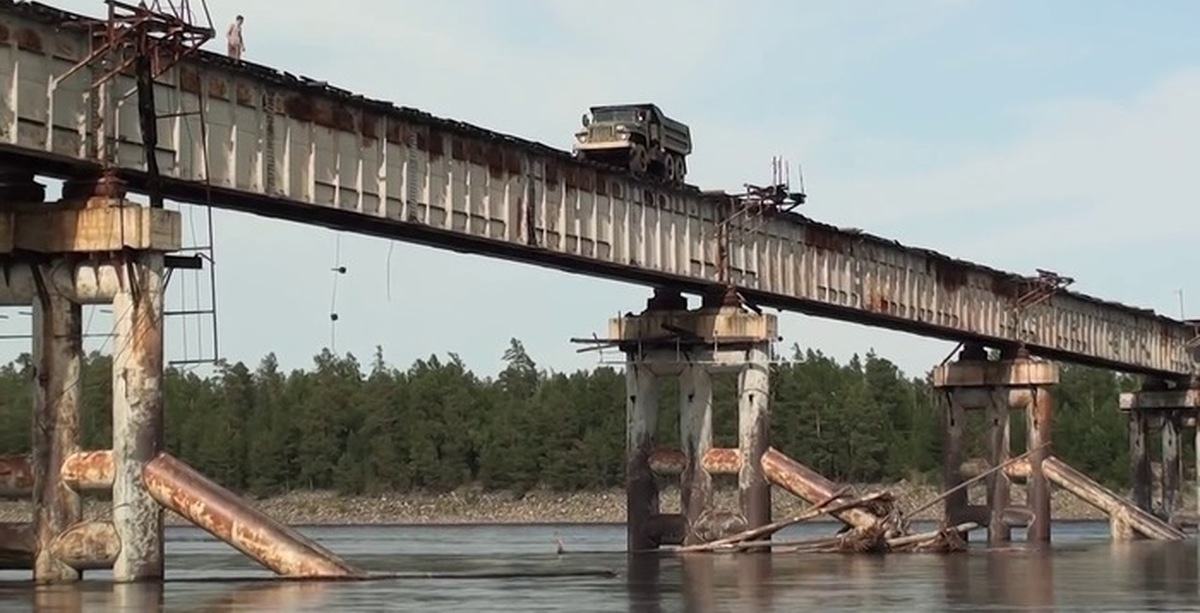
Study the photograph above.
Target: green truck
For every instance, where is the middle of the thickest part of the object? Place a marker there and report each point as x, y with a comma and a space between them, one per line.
638, 137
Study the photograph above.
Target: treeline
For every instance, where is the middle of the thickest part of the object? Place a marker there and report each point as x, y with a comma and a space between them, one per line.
368, 428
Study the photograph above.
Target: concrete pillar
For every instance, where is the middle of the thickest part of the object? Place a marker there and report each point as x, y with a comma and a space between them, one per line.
999, 486
57, 358
954, 506
137, 414
754, 428
1038, 423
695, 436
1139, 458
1172, 463
641, 420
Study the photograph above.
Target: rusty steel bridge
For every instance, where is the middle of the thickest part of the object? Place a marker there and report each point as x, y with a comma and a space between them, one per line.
131, 101
250, 138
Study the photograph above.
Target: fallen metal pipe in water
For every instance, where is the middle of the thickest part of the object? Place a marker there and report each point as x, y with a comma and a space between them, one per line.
812, 487
226, 516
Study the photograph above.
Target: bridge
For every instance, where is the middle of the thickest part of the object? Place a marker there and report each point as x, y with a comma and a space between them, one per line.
245, 137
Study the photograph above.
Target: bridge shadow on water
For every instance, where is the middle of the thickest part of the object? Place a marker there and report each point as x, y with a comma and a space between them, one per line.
515, 568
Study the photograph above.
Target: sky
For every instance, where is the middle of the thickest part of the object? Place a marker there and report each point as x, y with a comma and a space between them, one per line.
1020, 134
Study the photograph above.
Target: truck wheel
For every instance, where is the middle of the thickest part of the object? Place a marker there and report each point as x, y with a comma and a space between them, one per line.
674, 169
638, 160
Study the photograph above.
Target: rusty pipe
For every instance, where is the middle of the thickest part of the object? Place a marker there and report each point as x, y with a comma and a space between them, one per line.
1018, 470
85, 471
717, 461
16, 476
810, 486
87, 545
226, 516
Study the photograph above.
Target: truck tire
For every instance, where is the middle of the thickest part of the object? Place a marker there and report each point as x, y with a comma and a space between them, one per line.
639, 161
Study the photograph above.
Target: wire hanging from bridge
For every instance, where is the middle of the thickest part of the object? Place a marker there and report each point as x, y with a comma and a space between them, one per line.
338, 270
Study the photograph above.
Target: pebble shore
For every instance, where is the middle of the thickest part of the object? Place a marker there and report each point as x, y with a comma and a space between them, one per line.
472, 505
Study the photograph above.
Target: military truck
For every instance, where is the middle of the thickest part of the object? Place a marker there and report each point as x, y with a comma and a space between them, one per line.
638, 137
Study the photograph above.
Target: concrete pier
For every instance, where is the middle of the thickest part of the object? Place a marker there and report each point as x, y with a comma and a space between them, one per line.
669, 340
996, 387
97, 247
1172, 408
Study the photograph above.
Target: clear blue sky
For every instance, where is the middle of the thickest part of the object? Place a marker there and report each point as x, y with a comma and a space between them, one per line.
1018, 133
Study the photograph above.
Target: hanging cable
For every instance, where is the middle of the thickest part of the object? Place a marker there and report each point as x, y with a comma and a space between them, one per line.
337, 271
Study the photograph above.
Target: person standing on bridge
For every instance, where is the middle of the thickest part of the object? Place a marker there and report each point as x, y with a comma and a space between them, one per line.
237, 45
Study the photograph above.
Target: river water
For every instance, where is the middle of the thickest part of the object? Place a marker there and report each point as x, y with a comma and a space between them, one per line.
1083, 571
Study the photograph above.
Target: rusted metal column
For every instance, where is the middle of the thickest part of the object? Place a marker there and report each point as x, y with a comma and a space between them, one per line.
1039, 420
224, 515
58, 355
999, 486
695, 436
1139, 458
641, 420
1172, 463
137, 414
754, 437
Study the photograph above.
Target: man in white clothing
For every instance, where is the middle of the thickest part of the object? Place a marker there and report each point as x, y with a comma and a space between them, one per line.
237, 46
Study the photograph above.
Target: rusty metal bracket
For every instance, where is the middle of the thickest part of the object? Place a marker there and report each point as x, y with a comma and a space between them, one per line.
167, 35
1041, 288
1194, 341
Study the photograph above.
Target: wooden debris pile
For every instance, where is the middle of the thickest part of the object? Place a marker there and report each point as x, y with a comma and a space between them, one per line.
890, 535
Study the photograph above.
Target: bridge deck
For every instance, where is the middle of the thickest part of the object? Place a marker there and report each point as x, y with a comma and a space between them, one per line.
291, 148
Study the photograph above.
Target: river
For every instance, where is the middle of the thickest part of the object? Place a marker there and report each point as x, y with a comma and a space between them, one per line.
1083, 571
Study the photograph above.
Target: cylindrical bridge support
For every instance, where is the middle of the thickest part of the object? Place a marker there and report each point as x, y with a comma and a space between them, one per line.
58, 358
754, 433
695, 435
641, 491
137, 414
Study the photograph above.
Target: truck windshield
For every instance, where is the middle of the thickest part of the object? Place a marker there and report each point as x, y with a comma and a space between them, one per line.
623, 115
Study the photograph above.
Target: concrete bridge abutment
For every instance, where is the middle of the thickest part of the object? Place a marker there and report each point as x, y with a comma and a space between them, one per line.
997, 387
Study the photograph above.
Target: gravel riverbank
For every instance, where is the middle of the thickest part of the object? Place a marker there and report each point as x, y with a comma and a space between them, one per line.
475, 506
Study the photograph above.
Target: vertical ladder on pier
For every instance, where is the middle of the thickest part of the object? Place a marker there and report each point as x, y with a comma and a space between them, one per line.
193, 318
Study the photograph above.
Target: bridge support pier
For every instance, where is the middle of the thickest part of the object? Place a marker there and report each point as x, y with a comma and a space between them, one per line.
996, 387
669, 340
1170, 408
95, 247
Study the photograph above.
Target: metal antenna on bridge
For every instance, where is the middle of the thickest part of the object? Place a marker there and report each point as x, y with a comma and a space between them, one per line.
748, 212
